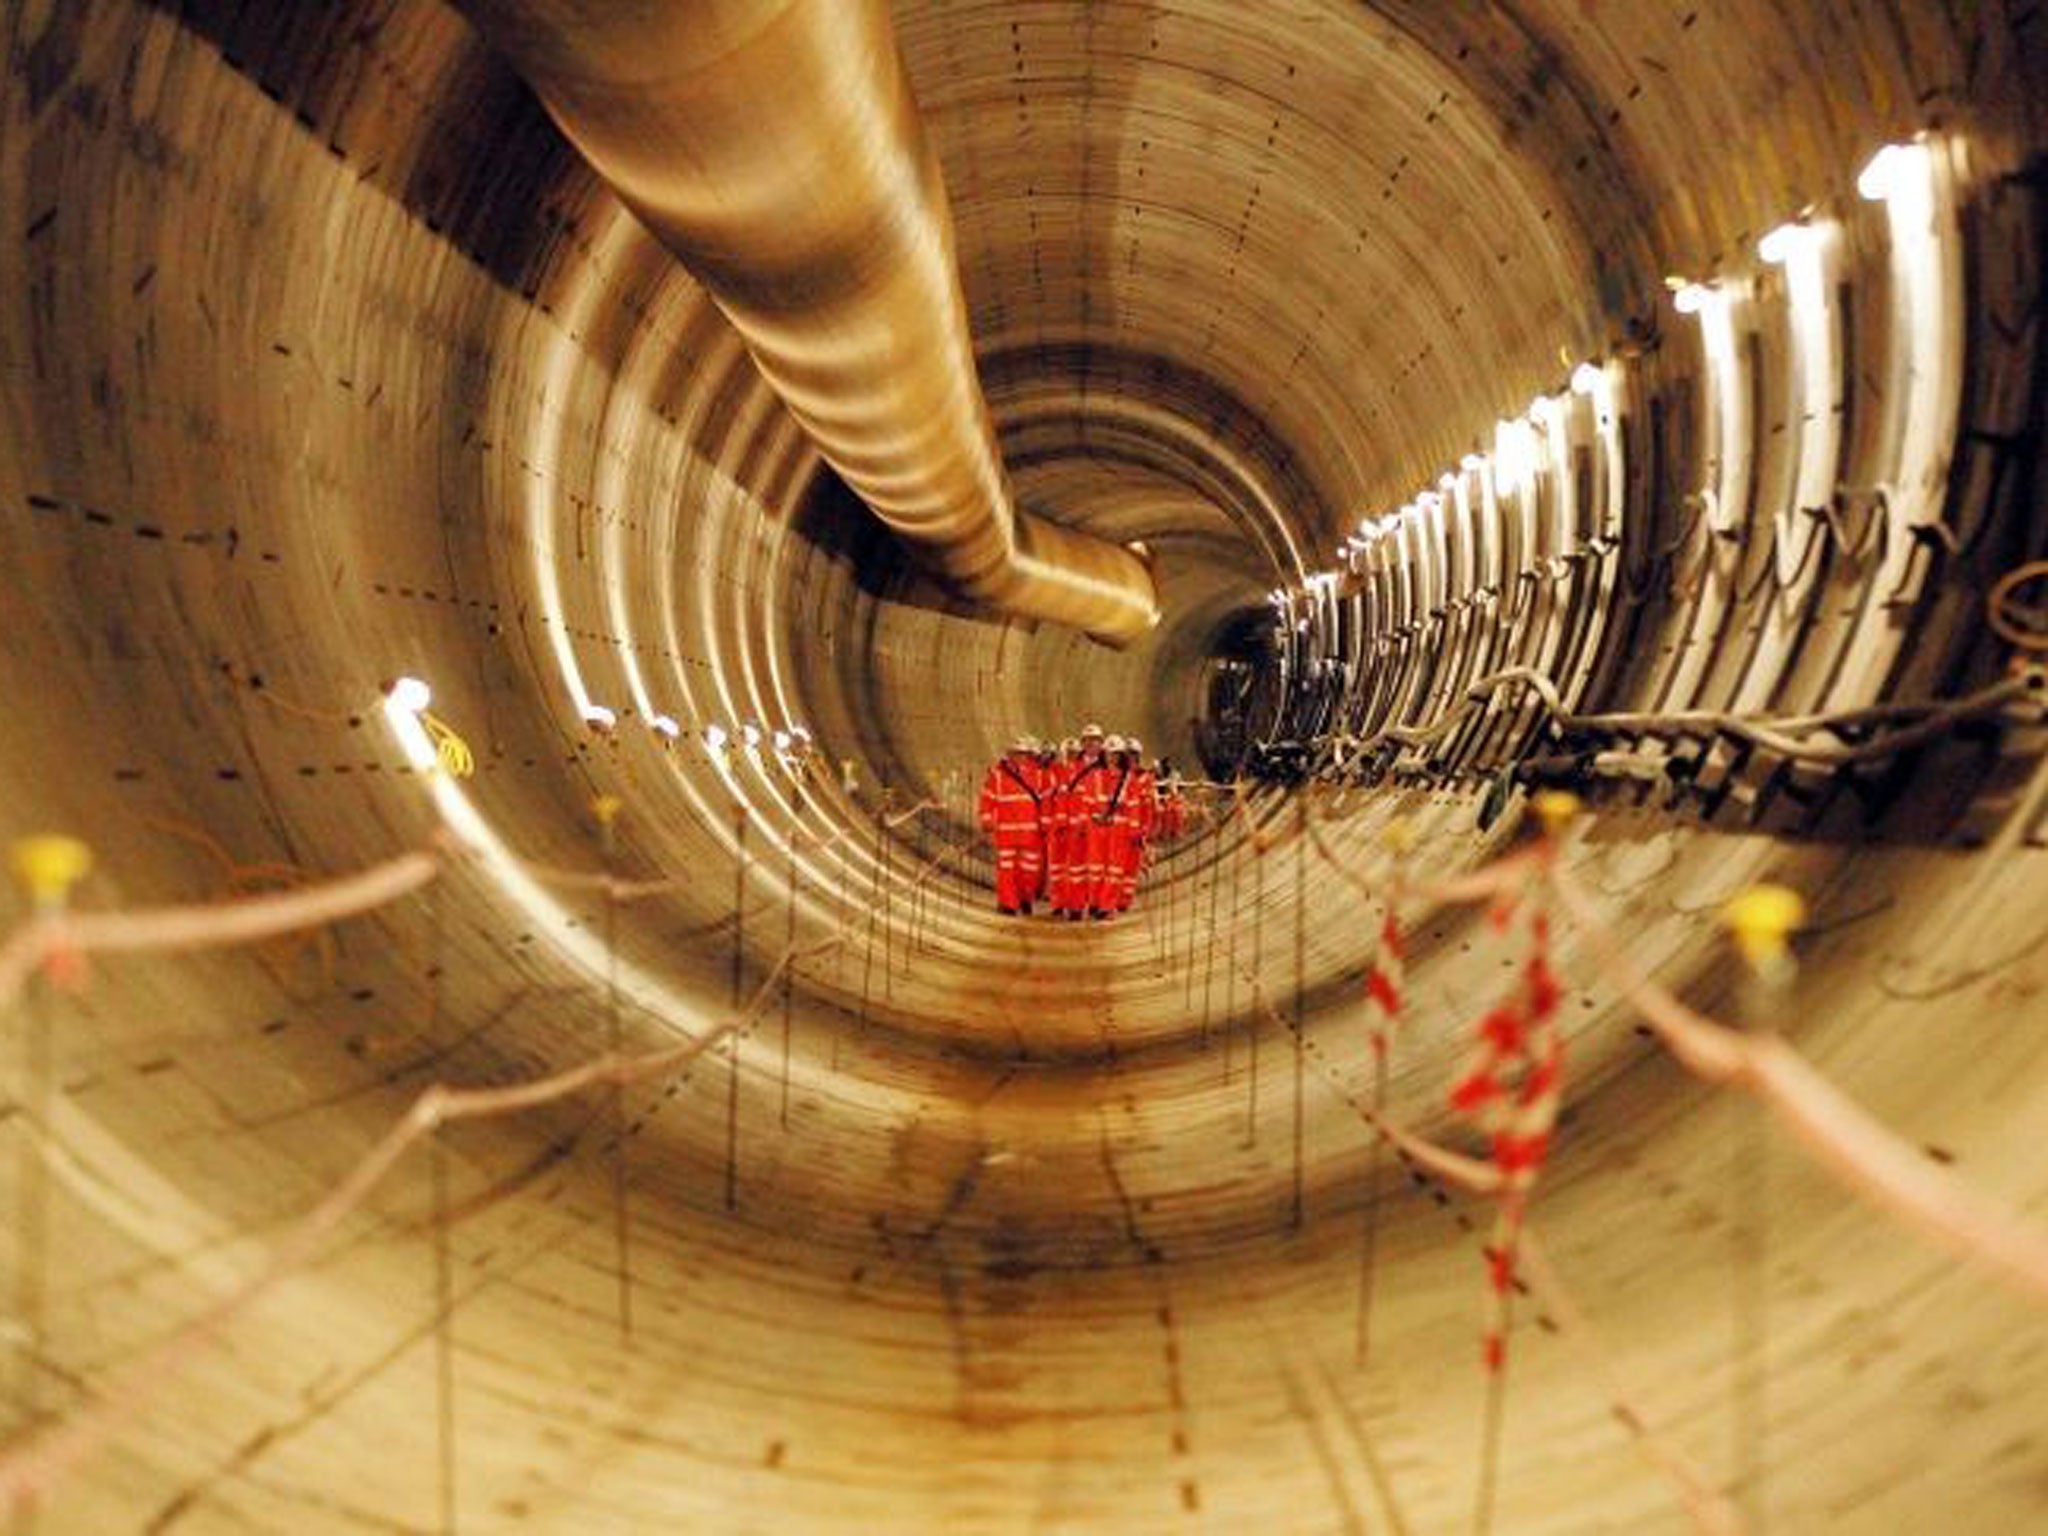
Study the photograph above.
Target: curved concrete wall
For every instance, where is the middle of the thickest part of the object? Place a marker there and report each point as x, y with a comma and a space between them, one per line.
327, 362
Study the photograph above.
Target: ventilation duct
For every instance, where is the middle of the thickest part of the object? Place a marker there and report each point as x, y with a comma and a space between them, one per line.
775, 147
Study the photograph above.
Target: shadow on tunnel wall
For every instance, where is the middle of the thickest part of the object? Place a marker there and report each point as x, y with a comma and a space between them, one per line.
836, 524
498, 151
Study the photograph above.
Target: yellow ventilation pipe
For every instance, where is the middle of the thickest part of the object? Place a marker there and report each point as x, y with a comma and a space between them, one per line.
775, 147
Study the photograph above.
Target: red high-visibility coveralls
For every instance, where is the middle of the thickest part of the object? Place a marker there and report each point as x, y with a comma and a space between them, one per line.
1069, 895
1010, 816
1064, 839
1047, 780
1087, 837
1112, 832
1139, 815
1173, 812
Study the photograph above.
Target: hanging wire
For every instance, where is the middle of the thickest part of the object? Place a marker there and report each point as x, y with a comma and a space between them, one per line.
1300, 996
739, 966
444, 1273
606, 808
789, 973
1761, 920
1386, 995
1251, 1113
48, 868
444, 1330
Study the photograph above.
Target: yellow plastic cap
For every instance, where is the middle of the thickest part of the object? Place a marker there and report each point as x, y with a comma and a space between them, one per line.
1555, 808
606, 808
1762, 918
48, 866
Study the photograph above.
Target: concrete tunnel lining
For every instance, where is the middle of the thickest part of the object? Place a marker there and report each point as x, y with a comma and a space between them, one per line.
327, 362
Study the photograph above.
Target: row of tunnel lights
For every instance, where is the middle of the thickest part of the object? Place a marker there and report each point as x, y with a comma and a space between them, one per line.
1894, 174
411, 696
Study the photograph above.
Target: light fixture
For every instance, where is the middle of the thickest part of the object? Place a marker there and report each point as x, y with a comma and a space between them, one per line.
1804, 250
1587, 379
599, 717
666, 724
1782, 243
1474, 462
782, 741
715, 737
405, 707
1883, 175
1692, 298
1460, 516
1926, 347
751, 735
409, 695
1514, 451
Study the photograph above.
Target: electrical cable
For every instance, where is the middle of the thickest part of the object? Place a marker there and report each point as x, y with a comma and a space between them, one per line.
1917, 723
2010, 621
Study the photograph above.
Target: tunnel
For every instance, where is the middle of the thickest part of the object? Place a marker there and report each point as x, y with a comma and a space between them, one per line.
506, 1020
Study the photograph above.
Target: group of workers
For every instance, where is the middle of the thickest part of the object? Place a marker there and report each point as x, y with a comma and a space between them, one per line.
1071, 823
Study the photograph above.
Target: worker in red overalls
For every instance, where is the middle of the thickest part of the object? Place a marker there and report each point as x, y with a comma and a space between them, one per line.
1086, 792
1045, 757
1062, 858
1034, 852
1141, 798
1173, 805
1130, 821
1010, 816
1111, 826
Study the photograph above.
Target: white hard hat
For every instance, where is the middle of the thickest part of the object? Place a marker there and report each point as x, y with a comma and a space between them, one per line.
1023, 744
1091, 729
1071, 744
1135, 745
1114, 744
